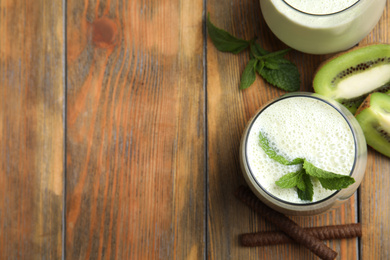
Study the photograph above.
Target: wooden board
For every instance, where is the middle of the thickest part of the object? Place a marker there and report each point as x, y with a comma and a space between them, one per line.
135, 130
228, 111
375, 191
31, 129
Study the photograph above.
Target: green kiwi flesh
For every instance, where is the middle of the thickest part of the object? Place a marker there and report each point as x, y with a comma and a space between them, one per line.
351, 76
374, 118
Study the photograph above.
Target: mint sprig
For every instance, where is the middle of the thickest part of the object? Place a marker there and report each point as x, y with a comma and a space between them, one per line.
264, 143
301, 179
224, 41
328, 180
271, 66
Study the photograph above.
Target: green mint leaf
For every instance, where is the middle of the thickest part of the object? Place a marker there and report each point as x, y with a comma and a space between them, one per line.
271, 64
308, 192
328, 180
301, 185
260, 53
264, 144
292, 179
285, 77
273, 60
336, 183
257, 50
275, 55
223, 40
260, 66
249, 74
276, 70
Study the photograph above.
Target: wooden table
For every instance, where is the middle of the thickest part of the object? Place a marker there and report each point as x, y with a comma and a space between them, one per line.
119, 132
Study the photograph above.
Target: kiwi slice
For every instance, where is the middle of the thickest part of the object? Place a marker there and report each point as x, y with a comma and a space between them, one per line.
374, 117
350, 76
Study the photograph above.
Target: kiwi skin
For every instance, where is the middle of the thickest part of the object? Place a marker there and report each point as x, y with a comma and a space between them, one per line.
374, 118
357, 60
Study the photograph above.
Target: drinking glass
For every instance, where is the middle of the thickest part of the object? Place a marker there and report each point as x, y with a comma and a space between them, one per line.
336, 198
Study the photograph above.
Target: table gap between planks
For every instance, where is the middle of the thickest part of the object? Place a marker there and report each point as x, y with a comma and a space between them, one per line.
119, 132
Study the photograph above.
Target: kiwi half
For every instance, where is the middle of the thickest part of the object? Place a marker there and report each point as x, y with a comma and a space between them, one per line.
349, 77
374, 118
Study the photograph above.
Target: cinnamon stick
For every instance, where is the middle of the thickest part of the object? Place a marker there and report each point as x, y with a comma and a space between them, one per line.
323, 233
286, 225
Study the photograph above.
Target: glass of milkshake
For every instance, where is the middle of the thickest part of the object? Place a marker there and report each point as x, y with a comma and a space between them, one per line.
309, 126
321, 26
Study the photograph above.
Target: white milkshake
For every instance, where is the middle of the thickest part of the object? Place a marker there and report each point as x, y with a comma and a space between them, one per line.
300, 128
307, 126
321, 26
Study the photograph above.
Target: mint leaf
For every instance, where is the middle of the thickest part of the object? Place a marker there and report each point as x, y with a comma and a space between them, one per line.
275, 55
223, 40
336, 183
277, 70
301, 182
286, 76
260, 66
264, 144
308, 192
328, 180
292, 179
257, 50
271, 64
249, 74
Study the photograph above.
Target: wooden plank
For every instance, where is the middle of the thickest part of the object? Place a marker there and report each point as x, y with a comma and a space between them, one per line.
375, 188
229, 109
31, 129
135, 140
374, 203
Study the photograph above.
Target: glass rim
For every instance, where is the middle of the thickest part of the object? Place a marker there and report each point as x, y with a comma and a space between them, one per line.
292, 95
328, 14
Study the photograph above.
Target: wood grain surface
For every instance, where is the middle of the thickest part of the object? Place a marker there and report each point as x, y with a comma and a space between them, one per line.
31, 129
136, 135
374, 196
129, 106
